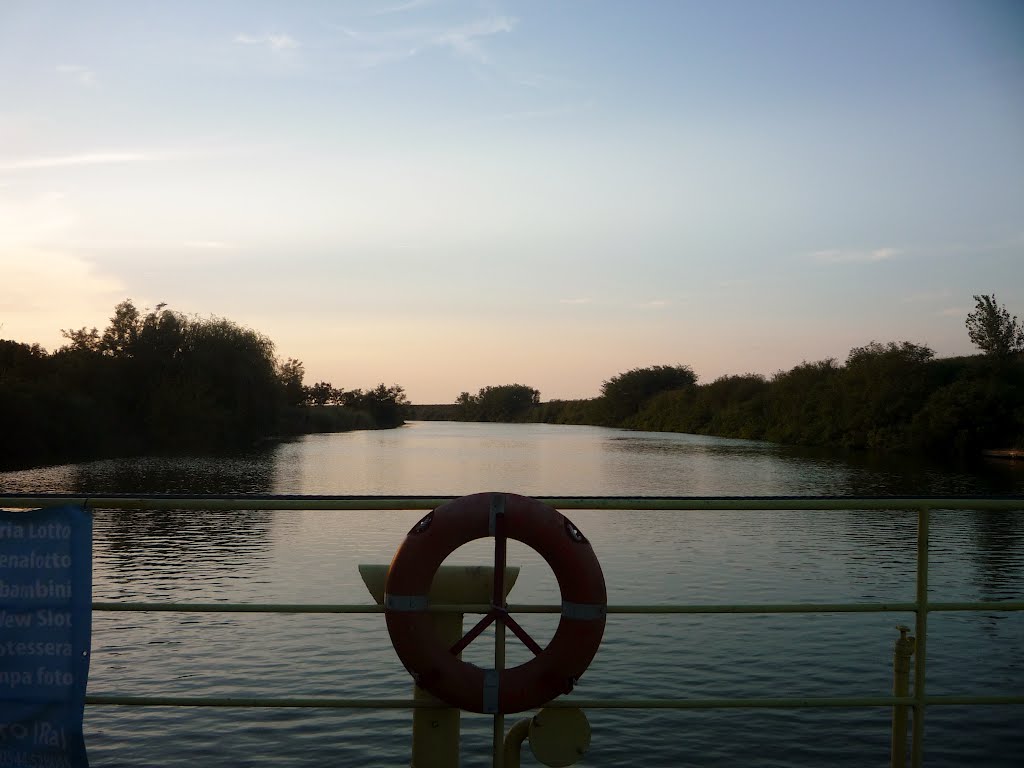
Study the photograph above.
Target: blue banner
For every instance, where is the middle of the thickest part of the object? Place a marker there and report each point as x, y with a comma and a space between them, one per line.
45, 630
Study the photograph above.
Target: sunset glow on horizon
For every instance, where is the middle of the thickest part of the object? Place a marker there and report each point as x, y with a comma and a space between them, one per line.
449, 195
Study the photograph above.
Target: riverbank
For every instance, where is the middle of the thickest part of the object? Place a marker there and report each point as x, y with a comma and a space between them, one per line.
892, 398
165, 383
38, 451
1011, 454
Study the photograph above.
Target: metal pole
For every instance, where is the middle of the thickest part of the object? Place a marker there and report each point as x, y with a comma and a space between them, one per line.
513, 745
901, 654
435, 731
498, 601
921, 630
499, 719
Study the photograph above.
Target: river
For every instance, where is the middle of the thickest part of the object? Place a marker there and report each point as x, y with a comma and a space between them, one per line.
690, 557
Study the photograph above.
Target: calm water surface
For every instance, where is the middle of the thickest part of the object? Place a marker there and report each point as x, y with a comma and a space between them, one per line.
689, 557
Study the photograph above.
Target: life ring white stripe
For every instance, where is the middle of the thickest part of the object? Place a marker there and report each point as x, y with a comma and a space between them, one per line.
584, 611
406, 602
491, 693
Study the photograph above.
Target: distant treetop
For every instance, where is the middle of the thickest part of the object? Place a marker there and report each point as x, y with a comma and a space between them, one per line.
627, 392
993, 330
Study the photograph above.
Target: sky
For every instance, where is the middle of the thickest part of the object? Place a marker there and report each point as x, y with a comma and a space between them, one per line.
451, 195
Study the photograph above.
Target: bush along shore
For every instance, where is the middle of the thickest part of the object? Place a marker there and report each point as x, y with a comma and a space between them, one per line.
165, 382
889, 397
893, 396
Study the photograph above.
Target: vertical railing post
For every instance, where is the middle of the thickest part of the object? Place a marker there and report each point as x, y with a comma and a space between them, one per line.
498, 601
499, 719
901, 655
435, 731
921, 631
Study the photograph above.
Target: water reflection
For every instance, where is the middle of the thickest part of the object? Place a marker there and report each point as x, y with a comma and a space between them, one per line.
250, 472
876, 474
741, 556
999, 554
697, 465
153, 548
662, 443
700, 465
235, 473
173, 540
457, 458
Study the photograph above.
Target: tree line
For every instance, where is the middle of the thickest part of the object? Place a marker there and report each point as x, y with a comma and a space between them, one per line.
163, 381
893, 396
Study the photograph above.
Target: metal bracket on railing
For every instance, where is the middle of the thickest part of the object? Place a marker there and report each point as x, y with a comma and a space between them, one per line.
904, 649
435, 730
558, 737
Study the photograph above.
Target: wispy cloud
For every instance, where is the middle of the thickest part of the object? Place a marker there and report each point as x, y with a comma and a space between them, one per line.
576, 302
465, 40
81, 75
276, 42
850, 255
954, 312
64, 161
410, 5
654, 304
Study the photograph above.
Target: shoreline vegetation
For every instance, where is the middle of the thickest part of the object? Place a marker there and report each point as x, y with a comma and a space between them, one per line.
164, 382
893, 397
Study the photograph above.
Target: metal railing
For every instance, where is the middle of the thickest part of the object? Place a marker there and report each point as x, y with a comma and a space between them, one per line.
921, 606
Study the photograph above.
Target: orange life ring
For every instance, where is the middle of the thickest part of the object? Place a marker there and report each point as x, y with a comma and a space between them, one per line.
435, 666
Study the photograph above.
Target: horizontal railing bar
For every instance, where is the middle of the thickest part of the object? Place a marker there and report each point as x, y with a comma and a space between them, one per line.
240, 608
751, 608
791, 703
621, 503
530, 608
989, 605
245, 701
974, 700
344, 703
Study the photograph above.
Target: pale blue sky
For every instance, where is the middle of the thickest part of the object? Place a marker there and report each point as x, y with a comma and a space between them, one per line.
448, 195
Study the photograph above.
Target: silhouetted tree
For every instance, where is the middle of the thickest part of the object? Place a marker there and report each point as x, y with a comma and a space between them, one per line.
626, 393
385, 405
503, 403
161, 380
82, 340
993, 330
801, 404
290, 372
20, 360
120, 336
506, 402
320, 393
466, 407
878, 392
